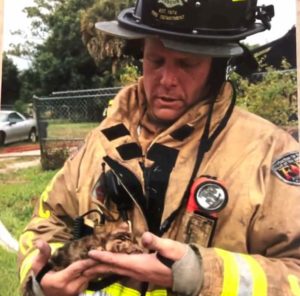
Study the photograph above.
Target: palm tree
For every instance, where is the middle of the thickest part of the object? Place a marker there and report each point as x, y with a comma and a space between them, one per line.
99, 45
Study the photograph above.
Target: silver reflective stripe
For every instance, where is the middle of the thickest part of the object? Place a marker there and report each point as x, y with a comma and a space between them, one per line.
242, 275
246, 280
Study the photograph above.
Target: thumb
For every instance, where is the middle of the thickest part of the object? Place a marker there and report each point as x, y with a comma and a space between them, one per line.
166, 247
42, 257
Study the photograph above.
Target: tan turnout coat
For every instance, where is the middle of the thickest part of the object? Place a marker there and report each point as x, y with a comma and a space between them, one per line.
256, 245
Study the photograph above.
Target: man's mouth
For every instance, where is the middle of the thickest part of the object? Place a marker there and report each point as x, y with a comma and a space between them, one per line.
168, 99
168, 102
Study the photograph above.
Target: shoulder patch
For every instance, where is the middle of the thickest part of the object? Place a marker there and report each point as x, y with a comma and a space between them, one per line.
287, 168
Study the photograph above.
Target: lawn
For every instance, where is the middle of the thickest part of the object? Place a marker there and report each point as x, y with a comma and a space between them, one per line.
18, 192
68, 130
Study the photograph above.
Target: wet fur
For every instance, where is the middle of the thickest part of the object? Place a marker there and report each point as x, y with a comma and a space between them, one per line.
118, 241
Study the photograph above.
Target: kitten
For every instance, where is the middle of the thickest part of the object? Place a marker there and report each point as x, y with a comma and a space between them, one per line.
118, 241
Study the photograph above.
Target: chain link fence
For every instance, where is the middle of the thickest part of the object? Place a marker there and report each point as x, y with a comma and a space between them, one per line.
64, 119
7, 107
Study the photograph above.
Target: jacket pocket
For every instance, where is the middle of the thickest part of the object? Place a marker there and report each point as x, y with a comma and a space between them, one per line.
199, 229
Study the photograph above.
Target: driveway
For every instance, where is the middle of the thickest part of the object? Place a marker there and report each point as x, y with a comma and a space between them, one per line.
18, 156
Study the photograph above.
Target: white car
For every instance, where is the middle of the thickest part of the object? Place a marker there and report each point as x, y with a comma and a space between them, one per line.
15, 127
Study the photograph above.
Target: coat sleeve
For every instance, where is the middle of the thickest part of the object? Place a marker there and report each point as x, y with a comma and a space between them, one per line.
53, 215
272, 264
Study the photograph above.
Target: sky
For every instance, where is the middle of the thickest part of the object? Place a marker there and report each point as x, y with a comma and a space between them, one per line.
284, 19
15, 19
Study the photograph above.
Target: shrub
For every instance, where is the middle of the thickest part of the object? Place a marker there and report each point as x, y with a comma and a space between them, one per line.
272, 96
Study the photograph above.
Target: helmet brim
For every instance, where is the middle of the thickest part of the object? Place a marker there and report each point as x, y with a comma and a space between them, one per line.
207, 48
113, 28
224, 50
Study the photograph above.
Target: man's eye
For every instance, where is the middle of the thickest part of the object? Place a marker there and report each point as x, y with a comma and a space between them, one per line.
188, 64
156, 61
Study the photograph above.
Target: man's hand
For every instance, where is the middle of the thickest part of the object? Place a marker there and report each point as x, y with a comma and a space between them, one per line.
141, 267
68, 282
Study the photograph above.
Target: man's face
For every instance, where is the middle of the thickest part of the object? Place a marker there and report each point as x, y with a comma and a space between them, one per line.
174, 81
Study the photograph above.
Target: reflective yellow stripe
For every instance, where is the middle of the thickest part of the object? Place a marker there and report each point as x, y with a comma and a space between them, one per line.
88, 292
44, 197
162, 292
235, 271
294, 284
231, 273
25, 241
93, 293
117, 290
260, 284
36, 220
27, 263
42, 212
238, 0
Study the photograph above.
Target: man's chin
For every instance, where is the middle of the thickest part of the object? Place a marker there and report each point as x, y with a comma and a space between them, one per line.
163, 120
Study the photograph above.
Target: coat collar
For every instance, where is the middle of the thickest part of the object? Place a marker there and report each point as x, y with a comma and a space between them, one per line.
129, 107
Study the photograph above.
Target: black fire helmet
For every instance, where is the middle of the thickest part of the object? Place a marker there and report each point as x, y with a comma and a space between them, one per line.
207, 27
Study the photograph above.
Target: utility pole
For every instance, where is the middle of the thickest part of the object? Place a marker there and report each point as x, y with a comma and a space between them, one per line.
298, 58
1, 43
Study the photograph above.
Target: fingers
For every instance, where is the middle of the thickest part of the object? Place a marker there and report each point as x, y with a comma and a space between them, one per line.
115, 259
77, 269
122, 264
141, 267
166, 247
69, 281
42, 257
74, 278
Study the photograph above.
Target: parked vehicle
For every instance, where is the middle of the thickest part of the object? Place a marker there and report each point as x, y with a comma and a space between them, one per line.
15, 127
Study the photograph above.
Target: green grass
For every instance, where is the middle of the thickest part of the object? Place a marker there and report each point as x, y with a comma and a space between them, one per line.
69, 130
18, 193
8, 272
5, 163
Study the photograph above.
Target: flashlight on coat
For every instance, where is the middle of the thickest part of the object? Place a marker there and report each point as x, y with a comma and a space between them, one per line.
207, 195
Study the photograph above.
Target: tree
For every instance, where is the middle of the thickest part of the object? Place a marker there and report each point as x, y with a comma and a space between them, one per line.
101, 46
273, 96
60, 61
10, 82
107, 50
71, 54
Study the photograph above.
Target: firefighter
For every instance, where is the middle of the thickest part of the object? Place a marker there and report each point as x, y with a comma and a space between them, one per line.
210, 191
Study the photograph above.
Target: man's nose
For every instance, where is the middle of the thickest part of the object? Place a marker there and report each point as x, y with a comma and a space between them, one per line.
168, 76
